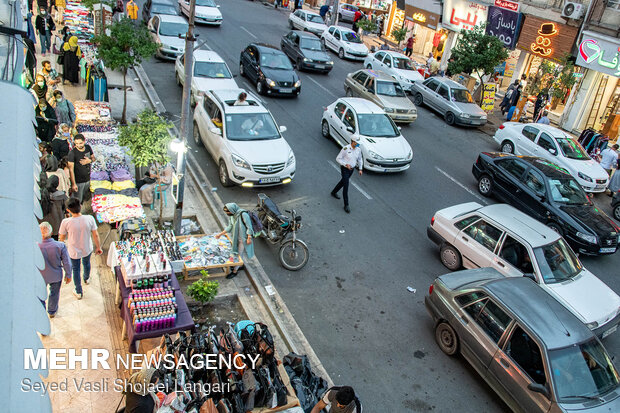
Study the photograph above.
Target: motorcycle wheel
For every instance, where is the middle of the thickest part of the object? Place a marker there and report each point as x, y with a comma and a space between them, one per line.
293, 257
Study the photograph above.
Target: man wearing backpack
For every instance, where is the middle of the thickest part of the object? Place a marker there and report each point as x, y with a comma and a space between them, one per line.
240, 229
340, 400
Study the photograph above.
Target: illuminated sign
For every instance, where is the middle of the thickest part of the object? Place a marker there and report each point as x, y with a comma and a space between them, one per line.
546, 39
461, 14
543, 46
508, 5
422, 17
600, 54
419, 17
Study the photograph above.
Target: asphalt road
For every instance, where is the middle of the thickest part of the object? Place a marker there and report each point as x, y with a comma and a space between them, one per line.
351, 300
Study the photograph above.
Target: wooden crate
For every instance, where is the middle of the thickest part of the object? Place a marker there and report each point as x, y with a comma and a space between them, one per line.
225, 268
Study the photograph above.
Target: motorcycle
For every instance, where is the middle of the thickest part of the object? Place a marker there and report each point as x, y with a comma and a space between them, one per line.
282, 229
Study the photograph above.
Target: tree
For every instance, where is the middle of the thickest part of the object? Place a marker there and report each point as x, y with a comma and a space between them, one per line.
147, 141
399, 34
367, 26
126, 46
564, 79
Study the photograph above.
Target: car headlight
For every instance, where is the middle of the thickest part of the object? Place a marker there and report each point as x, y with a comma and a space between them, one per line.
465, 115
270, 82
388, 110
584, 177
307, 60
374, 155
410, 155
587, 238
298, 83
484, 117
413, 111
291, 159
592, 325
330, 63
240, 162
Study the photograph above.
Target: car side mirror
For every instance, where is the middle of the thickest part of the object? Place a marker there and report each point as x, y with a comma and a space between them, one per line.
399, 128
531, 277
218, 6
216, 131
350, 129
553, 151
538, 388
282, 129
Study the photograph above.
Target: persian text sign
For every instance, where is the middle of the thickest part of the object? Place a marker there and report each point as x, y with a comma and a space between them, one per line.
504, 25
508, 5
600, 54
488, 97
462, 14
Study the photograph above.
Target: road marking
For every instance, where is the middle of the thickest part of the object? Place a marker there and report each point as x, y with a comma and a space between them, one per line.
248, 32
322, 87
352, 183
462, 186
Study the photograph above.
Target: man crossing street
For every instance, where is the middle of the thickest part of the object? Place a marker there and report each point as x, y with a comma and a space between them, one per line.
349, 157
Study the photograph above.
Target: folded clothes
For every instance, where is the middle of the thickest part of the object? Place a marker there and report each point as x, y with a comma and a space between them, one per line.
100, 184
114, 208
120, 185
99, 176
130, 192
120, 174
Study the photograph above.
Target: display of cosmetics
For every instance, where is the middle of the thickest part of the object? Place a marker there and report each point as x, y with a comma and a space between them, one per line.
160, 281
142, 256
207, 251
171, 246
152, 309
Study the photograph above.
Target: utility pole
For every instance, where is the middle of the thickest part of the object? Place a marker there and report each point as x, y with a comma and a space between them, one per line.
185, 116
334, 14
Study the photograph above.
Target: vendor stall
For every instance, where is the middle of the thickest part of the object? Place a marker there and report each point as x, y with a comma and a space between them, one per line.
205, 252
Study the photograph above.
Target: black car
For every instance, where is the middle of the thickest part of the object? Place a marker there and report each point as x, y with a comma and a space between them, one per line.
153, 7
550, 194
270, 70
306, 50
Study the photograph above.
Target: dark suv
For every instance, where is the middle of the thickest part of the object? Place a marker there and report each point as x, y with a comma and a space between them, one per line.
270, 70
551, 195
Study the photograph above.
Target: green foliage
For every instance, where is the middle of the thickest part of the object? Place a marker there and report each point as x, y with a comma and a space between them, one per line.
147, 140
367, 25
203, 290
90, 3
564, 79
542, 79
399, 34
477, 52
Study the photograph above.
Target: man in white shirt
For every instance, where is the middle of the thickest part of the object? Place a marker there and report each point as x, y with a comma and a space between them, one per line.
609, 158
349, 157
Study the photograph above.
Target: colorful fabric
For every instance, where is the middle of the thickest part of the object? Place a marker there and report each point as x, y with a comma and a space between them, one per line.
120, 185
100, 184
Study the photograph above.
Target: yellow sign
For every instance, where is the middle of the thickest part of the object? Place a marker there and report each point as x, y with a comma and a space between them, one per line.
418, 17
488, 97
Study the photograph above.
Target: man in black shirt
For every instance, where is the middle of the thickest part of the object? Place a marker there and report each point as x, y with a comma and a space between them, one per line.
46, 121
79, 160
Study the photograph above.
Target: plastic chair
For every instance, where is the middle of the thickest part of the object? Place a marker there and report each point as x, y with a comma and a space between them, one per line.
157, 192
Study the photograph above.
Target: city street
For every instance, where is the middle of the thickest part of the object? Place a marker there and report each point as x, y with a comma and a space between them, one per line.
351, 300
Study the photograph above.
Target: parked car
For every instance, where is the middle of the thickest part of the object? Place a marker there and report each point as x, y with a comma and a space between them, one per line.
306, 51
615, 204
207, 12
535, 139
529, 348
396, 65
345, 42
450, 99
306, 21
153, 7
244, 141
169, 32
382, 90
209, 72
270, 70
504, 238
346, 12
384, 149
550, 194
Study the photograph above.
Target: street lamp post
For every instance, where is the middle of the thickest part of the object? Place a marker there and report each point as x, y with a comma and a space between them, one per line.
185, 118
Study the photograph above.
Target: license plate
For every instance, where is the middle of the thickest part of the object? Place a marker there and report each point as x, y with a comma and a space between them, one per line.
607, 250
320, 66
610, 331
287, 90
268, 180
401, 117
599, 187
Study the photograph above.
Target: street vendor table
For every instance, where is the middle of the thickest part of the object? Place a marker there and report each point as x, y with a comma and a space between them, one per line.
122, 291
190, 271
184, 322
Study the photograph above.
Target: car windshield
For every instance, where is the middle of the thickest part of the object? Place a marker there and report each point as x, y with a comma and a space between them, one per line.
462, 96
315, 18
205, 3
275, 61
250, 127
214, 70
351, 37
389, 89
557, 262
572, 149
582, 372
377, 125
310, 44
567, 191
402, 63
172, 29
163, 9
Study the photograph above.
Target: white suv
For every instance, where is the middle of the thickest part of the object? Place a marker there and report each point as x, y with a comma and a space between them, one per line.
244, 141
501, 237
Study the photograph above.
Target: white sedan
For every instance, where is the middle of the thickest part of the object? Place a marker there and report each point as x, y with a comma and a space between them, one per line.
535, 139
345, 42
307, 21
384, 149
207, 12
210, 72
169, 32
396, 65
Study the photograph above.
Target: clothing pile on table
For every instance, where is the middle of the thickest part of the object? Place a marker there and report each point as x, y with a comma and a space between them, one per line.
77, 18
115, 197
207, 251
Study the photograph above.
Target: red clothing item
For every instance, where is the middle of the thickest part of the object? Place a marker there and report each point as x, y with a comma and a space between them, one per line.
410, 42
358, 15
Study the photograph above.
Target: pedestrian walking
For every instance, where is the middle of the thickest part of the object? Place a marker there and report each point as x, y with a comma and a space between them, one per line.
52, 79
30, 60
45, 26
65, 111
356, 17
132, 11
505, 105
240, 231
430, 60
409, 45
544, 119
53, 204
541, 101
49, 162
434, 69
79, 160
323, 12
349, 157
277, 3
609, 158
56, 258
70, 58
62, 142
339, 400
46, 121
77, 232
62, 173
118, 11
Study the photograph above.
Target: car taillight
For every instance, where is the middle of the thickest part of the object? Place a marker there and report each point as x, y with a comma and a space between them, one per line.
324, 108
430, 289
432, 220
501, 126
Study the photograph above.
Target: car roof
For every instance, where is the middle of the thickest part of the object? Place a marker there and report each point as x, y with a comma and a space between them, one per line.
170, 18
346, 29
360, 105
449, 82
377, 74
305, 34
311, 12
226, 98
264, 47
548, 168
207, 56
530, 230
551, 130
393, 53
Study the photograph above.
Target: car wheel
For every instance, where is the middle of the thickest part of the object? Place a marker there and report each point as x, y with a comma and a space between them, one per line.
197, 137
290, 24
223, 173
556, 228
450, 257
349, 93
485, 185
260, 87
418, 100
341, 53
241, 70
507, 147
617, 212
325, 129
446, 338
449, 117
299, 65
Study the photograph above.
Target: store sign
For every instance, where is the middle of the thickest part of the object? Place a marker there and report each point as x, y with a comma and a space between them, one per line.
597, 53
462, 14
508, 5
396, 20
504, 25
488, 97
546, 39
422, 17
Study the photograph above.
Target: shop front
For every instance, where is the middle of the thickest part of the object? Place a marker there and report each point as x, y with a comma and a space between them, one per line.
424, 24
460, 15
395, 20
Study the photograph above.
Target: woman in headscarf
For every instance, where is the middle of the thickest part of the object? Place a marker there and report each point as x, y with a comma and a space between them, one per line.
64, 182
147, 186
71, 55
240, 230
62, 142
49, 163
39, 90
141, 392
53, 204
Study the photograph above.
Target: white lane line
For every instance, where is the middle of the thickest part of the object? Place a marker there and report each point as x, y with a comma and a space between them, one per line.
248, 32
352, 183
463, 186
322, 87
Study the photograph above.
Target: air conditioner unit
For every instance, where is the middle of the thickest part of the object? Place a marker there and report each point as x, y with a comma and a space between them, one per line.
572, 10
